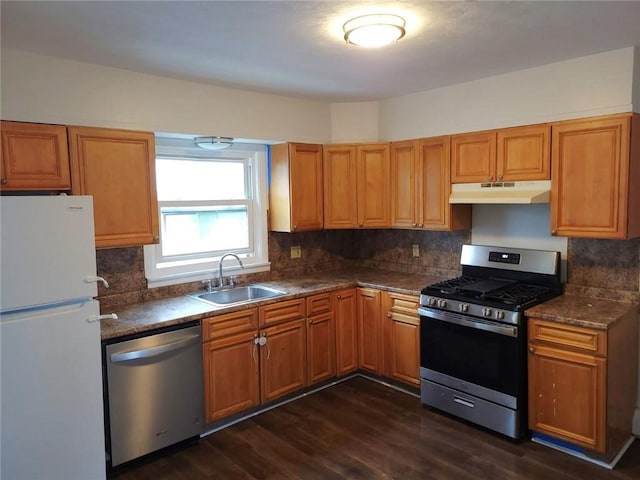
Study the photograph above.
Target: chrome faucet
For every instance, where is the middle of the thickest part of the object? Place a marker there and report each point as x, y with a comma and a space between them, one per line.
220, 267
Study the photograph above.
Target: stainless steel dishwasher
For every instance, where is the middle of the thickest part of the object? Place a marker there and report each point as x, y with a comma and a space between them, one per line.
154, 392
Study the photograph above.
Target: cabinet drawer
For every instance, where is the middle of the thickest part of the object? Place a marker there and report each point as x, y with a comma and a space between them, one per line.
317, 304
406, 305
229, 323
282, 311
578, 338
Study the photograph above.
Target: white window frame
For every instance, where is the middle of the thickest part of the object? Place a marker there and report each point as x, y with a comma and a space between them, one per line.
161, 271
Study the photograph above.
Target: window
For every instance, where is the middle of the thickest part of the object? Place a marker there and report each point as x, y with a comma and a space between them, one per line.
210, 203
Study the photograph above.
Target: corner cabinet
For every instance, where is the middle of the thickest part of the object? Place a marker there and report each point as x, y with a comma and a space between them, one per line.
295, 195
370, 335
582, 382
117, 167
402, 337
505, 155
357, 186
596, 173
34, 156
421, 185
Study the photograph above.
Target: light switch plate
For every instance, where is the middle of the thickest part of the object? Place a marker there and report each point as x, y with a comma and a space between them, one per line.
416, 250
296, 252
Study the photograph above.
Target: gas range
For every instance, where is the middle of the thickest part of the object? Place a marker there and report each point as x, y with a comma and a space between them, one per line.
497, 283
473, 355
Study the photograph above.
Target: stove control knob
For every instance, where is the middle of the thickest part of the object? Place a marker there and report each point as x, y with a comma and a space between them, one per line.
431, 301
463, 307
442, 303
487, 312
500, 315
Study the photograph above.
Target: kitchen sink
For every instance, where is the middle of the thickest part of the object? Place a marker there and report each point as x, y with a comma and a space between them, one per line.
231, 295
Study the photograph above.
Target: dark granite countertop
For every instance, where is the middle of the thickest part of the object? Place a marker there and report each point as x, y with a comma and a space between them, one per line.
146, 316
583, 311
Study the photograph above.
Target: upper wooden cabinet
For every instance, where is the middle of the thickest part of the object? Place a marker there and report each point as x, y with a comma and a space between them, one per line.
596, 173
117, 167
295, 195
357, 186
34, 156
511, 154
421, 185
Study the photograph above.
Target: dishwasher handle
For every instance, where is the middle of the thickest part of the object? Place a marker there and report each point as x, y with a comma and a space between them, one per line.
154, 351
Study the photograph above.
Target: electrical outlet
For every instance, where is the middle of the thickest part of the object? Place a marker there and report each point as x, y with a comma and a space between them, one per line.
296, 252
416, 250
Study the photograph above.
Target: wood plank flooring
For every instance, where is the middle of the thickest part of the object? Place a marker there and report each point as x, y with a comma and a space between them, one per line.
360, 429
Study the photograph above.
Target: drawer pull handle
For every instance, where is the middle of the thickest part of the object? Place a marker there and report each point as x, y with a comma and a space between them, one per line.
464, 402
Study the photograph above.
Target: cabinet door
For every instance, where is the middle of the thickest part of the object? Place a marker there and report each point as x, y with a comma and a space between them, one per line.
34, 156
473, 157
436, 213
405, 184
402, 334
590, 161
295, 195
373, 176
117, 167
567, 394
283, 359
340, 196
346, 318
231, 375
321, 347
370, 330
524, 153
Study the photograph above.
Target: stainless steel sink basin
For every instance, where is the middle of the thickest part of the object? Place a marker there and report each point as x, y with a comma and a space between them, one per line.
246, 293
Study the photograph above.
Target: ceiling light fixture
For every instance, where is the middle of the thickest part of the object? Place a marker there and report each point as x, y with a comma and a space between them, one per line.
213, 143
376, 30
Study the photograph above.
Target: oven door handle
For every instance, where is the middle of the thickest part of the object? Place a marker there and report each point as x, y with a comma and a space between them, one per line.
467, 322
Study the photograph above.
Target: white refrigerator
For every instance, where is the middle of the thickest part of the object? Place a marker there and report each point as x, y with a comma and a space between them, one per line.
51, 411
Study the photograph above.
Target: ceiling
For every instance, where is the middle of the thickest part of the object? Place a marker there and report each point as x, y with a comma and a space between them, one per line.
295, 48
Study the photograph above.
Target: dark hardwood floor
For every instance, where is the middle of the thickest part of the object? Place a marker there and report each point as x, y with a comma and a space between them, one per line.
360, 429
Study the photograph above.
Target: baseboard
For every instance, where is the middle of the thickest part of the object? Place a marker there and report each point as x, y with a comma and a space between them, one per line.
577, 451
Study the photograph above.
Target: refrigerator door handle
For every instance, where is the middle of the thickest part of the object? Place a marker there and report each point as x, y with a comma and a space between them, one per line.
95, 279
154, 351
97, 318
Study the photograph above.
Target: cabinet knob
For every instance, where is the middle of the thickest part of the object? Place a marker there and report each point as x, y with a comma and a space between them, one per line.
415, 224
295, 227
532, 350
388, 314
490, 177
3, 181
156, 238
500, 177
421, 225
554, 231
339, 297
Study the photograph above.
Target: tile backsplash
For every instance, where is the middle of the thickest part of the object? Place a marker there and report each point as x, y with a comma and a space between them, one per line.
609, 264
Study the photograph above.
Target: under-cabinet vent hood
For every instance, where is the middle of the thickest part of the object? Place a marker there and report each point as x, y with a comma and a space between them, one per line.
501, 192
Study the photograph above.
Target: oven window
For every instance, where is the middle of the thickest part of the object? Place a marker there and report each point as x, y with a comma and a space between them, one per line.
487, 359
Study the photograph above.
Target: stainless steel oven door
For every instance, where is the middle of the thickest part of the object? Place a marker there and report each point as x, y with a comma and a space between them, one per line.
472, 355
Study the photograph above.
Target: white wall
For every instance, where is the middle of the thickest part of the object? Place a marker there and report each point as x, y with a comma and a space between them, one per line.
39, 88
636, 80
518, 226
354, 122
594, 85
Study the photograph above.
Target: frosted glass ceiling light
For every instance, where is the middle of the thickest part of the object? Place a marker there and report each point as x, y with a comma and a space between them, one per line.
375, 30
213, 143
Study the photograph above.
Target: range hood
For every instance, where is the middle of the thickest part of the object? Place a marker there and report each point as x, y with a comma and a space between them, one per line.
501, 192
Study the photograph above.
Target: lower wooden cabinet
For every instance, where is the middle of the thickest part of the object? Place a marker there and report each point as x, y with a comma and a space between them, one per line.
582, 382
346, 319
231, 375
370, 330
402, 337
283, 359
321, 338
